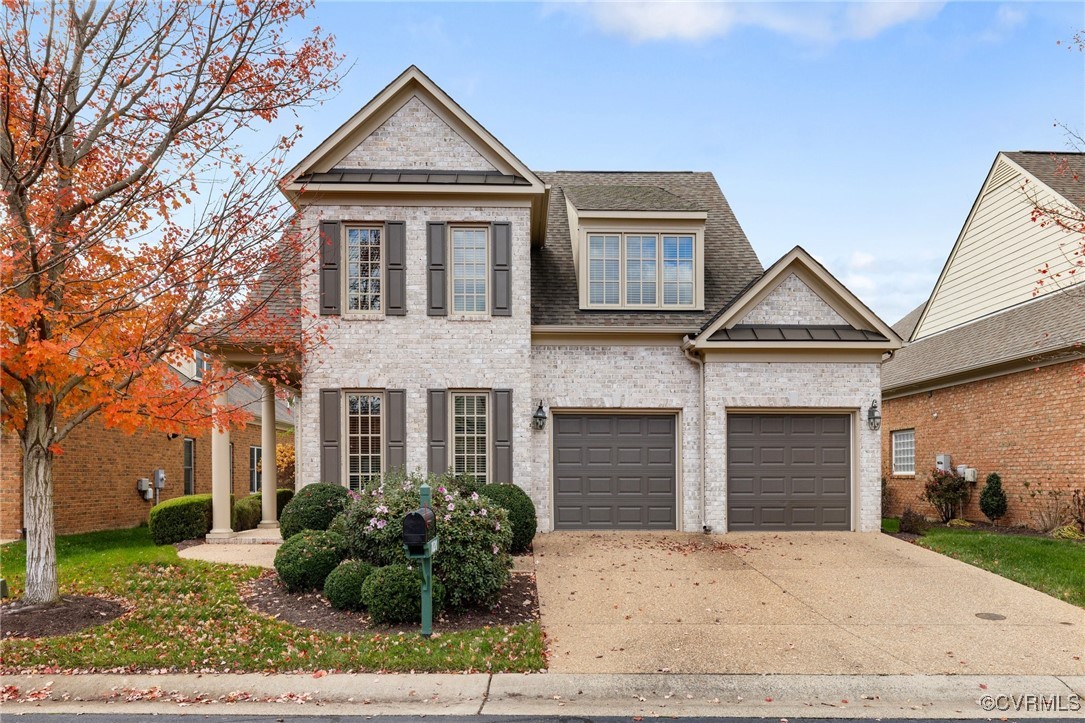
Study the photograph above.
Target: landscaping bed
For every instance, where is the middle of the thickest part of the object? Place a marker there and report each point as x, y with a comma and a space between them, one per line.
71, 615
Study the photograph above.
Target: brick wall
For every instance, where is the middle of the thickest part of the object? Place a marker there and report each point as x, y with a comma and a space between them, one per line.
792, 302
1026, 426
94, 480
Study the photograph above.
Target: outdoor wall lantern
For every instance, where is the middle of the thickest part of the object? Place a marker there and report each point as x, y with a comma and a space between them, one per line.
873, 416
539, 417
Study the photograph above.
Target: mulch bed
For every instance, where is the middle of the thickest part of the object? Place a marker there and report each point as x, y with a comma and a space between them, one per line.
517, 603
72, 614
977, 527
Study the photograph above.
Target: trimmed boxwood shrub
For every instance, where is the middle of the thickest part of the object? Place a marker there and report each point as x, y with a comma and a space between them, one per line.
393, 594
473, 560
521, 513
307, 558
343, 588
182, 518
312, 508
249, 511
993, 498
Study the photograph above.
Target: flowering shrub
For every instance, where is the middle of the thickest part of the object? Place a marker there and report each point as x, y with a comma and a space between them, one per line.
946, 490
472, 560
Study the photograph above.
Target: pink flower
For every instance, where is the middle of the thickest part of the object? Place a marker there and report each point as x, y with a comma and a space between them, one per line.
497, 527
451, 506
482, 512
448, 518
474, 496
496, 549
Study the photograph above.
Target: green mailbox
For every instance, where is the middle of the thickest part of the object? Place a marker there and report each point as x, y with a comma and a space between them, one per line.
420, 541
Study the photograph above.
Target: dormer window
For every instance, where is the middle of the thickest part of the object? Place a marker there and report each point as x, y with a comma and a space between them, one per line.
638, 270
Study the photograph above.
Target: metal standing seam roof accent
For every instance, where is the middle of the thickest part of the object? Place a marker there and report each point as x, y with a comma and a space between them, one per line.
751, 332
464, 178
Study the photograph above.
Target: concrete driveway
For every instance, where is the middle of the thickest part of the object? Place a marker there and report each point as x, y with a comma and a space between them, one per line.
814, 603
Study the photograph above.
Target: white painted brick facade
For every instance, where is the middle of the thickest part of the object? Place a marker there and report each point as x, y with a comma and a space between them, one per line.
792, 302
415, 137
622, 377
739, 386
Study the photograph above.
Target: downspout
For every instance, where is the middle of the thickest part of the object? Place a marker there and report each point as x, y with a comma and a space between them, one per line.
686, 345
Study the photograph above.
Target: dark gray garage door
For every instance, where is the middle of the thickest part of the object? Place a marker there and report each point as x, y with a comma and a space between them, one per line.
788, 472
614, 471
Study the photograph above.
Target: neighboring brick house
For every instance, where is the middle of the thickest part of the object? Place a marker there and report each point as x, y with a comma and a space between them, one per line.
993, 372
608, 341
94, 479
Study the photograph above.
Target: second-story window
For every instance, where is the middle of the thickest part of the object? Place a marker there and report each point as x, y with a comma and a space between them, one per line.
470, 266
638, 270
363, 277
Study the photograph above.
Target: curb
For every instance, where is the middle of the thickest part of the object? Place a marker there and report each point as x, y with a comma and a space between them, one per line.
782, 696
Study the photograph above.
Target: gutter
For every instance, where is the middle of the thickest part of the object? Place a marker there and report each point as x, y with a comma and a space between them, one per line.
687, 344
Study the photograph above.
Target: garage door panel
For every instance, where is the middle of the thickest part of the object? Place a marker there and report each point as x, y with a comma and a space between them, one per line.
801, 476
626, 471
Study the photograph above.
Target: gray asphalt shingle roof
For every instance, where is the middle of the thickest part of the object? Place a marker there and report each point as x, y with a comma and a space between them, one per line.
628, 198
1063, 172
730, 262
907, 323
1049, 324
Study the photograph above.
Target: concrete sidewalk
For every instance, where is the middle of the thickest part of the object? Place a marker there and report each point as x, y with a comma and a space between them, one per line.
778, 696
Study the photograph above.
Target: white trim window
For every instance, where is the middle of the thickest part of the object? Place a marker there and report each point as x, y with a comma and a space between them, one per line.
470, 269
364, 269
256, 453
471, 435
638, 270
365, 439
904, 451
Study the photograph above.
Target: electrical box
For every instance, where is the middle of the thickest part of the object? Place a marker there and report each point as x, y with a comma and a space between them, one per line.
143, 484
961, 470
943, 462
159, 479
970, 475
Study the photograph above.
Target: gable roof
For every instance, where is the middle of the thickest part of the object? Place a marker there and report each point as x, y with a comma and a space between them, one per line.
729, 264
862, 326
628, 198
1050, 324
411, 83
1063, 173
906, 325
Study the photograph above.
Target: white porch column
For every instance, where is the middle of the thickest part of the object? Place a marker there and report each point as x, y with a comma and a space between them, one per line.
269, 473
220, 480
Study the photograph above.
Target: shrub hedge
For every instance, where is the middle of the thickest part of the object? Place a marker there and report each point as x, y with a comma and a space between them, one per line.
248, 512
307, 558
182, 518
393, 594
312, 508
343, 588
521, 513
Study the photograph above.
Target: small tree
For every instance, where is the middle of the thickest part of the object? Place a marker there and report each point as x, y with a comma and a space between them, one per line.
946, 490
993, 498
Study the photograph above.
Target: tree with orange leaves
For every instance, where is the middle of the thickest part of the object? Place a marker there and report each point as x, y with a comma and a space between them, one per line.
133, 229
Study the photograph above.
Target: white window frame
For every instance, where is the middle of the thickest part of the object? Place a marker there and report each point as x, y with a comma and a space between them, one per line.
188, 466
451, 268
485, 394
344, 242
591, 227
256, 475
897, 436
346, 455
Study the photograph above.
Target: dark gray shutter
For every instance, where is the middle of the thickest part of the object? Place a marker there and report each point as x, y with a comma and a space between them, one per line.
329, 436
437, 425
395, 285
502, 465
501, 255
436, 271
329, 267
395, 429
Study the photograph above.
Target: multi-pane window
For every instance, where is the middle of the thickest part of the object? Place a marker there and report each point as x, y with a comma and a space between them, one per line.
469, 270
604, 269
677, 270
189, 464
641, 270
363, 439
363, 268
904, 451
470, 435
255, 455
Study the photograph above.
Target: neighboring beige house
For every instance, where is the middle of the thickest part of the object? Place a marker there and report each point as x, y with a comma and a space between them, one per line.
993, 373
608, 341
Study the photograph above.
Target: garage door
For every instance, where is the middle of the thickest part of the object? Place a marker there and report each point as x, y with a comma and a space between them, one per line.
788, 472
614, 472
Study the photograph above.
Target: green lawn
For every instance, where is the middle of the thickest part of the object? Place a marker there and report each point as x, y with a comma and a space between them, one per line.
188, 616
1055, 567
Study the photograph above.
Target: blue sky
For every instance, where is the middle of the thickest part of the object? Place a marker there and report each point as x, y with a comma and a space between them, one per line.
861, 131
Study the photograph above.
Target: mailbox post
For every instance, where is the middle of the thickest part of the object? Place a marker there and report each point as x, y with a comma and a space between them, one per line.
420, 542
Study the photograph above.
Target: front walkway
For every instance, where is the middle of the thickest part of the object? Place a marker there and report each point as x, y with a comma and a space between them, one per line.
803, 603
251, 547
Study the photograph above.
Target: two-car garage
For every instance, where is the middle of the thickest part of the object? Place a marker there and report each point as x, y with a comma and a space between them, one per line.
620, 471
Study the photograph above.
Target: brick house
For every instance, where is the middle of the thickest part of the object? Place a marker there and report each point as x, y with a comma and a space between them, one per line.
608, 341
992, 373
94, 479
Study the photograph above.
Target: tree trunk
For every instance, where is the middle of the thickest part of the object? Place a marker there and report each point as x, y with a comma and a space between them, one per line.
41, 550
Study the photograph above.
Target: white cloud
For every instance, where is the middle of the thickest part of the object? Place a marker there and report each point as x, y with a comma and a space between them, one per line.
861, 260
698, 21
